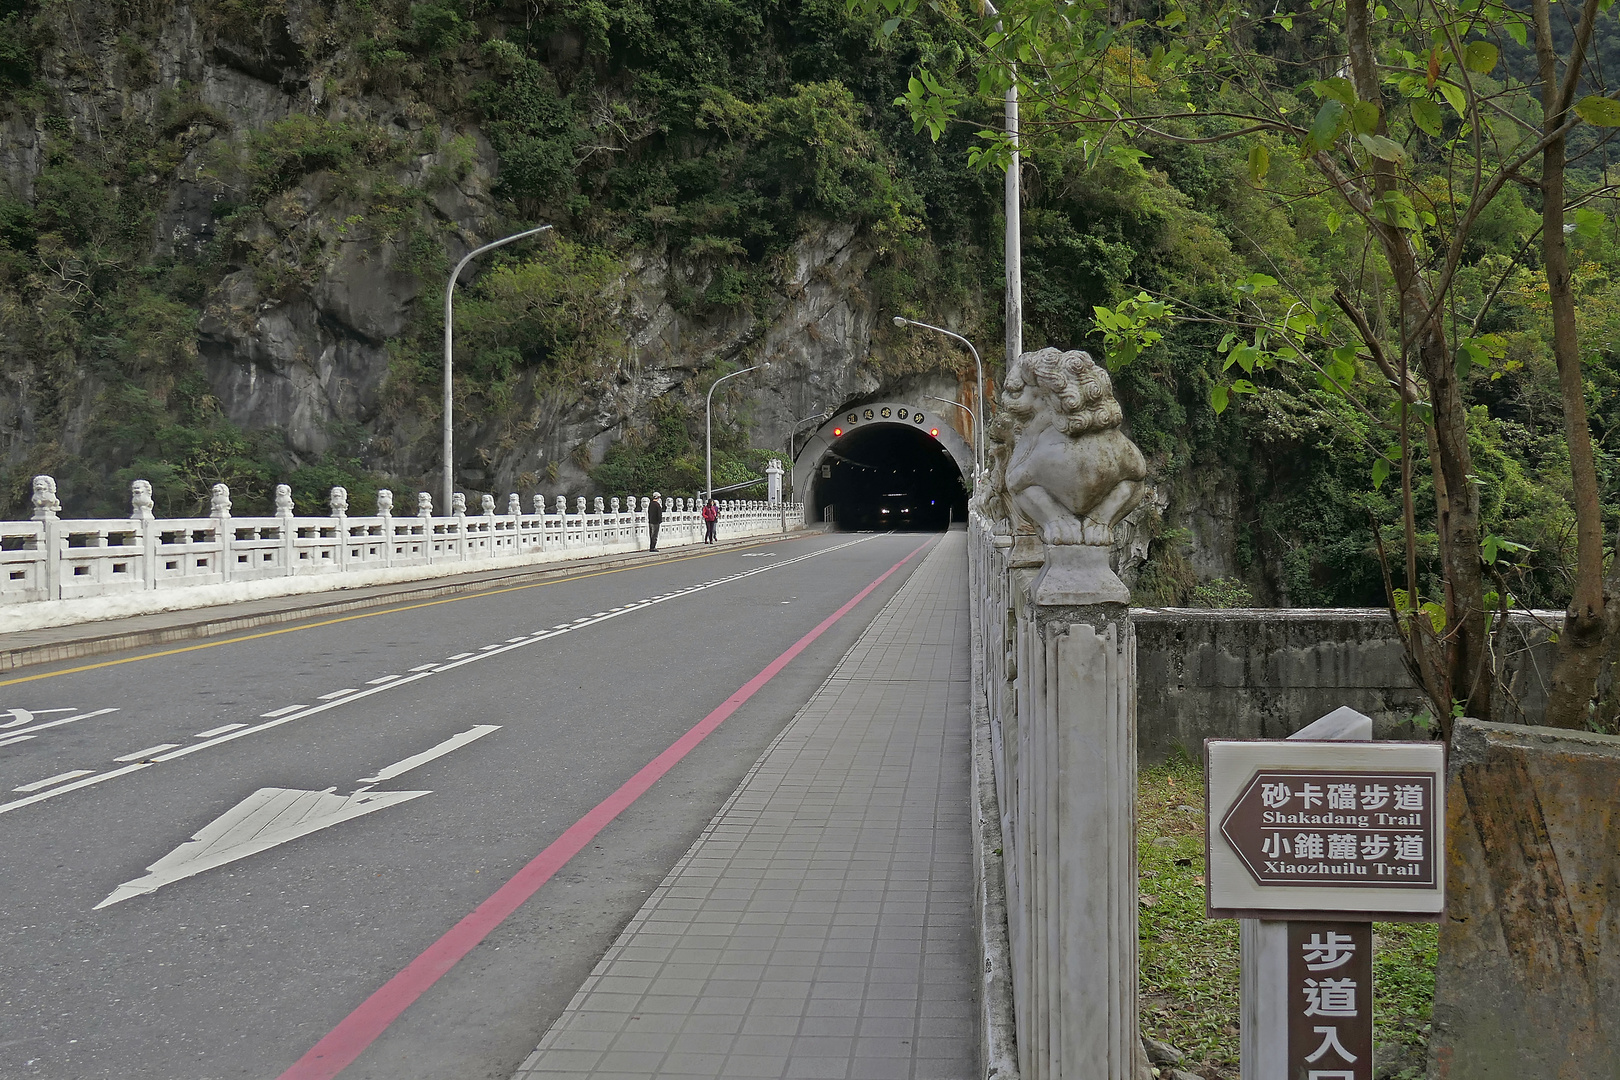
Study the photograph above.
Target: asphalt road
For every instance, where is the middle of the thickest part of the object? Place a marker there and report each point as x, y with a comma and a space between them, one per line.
240, 968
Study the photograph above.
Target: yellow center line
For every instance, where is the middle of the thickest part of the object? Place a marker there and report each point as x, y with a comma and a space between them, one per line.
371, 614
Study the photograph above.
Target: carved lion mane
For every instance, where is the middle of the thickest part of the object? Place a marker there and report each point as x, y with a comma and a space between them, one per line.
1080, 385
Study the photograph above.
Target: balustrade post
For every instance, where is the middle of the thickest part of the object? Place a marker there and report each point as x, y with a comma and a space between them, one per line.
424, 512
337, 500
219, 508
385, 511
46, 511
288, 531
458, 508
140, 504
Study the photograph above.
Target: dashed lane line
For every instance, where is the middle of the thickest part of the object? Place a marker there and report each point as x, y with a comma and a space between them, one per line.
369, 615
343, 697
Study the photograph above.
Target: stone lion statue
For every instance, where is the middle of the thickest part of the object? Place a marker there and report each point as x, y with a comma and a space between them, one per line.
140, 500
46, 504
1071, 470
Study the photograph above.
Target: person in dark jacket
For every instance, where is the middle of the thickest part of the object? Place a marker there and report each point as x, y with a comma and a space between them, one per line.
711, 516
655, 518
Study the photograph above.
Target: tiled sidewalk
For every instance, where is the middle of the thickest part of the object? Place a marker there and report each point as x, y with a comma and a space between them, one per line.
822, 925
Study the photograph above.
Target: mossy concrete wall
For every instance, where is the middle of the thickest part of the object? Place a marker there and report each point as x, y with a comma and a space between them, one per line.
1265, 673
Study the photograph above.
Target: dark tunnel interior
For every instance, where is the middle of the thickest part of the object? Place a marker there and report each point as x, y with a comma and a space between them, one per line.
889, 476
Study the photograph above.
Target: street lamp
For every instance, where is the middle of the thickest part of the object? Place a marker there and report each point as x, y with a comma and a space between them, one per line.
978, 428
959, 405
708, 428
449, 296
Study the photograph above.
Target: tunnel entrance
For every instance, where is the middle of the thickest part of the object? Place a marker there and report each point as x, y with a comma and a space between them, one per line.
888, 476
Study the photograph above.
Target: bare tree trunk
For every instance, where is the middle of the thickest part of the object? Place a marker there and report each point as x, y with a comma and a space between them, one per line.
1580, 646
1468, 674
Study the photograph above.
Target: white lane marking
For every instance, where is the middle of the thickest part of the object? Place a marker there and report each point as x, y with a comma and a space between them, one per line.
560, 626
379, 682
459, 660
15, 804
211, 732
268, 817
455, 742
276, 712
20, 717
148, 752
65, 720
486, 648
459, 656
15, 739
425, 667
510, 640
49, 780
335, 694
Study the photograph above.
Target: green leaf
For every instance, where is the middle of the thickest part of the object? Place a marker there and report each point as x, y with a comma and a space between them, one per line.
1588, 223
1334, 220
1599, 110
889, 27
1259, 163
1336, 89
1480, 56
1380, 472
1218, 398
1364, 117
1244, 386
1470, 356
1395, 209
1382, 148
1330, 121
1426, 115
1516, 31
1245, 357
1454, 97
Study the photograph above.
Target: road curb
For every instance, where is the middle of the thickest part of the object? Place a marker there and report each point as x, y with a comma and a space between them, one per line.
100, 644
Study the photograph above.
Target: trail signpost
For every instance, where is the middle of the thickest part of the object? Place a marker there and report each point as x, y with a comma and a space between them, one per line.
1310, 840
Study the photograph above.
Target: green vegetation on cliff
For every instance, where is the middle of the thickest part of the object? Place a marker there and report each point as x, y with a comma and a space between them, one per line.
704, 138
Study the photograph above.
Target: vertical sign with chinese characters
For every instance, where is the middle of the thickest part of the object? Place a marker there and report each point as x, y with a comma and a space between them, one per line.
1330, 1029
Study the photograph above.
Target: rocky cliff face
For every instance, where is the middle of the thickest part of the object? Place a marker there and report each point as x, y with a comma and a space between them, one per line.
309, 278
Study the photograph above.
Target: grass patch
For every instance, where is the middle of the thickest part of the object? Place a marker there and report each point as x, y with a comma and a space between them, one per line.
1189, 979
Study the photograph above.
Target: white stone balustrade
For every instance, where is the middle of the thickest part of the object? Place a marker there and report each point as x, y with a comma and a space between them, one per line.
147, 563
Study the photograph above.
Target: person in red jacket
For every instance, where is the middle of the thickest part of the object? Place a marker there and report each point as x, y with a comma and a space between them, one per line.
711, 516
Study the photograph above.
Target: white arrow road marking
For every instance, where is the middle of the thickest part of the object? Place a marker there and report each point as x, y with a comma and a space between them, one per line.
64, 720
454, 742
268, 817
272, 816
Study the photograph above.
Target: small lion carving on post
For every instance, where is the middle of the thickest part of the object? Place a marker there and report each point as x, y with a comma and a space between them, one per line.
1071, 471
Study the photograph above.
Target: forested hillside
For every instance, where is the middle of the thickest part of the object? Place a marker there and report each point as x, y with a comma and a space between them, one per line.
225, 227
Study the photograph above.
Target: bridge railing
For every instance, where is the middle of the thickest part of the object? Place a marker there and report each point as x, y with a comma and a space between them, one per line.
52, 558
1054, 699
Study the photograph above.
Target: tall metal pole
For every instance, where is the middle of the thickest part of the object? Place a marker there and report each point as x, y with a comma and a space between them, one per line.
708, 429
978, 428
449, 297
1013, 214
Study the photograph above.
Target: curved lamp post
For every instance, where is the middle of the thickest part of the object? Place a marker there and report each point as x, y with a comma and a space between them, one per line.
449, 297
708, 428
978, 428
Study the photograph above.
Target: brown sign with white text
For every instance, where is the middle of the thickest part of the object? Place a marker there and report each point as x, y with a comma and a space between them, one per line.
1330, 1028
1307, 827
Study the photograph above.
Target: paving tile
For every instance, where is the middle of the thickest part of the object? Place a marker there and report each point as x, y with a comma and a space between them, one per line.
820, 925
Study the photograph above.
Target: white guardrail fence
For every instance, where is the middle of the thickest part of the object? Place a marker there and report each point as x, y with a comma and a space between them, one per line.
48, 558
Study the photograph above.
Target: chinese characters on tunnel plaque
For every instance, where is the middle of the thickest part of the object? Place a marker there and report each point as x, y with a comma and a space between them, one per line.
1330, 1030
1325, 830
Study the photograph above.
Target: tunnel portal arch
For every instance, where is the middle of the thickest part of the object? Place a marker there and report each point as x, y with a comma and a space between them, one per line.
906, 428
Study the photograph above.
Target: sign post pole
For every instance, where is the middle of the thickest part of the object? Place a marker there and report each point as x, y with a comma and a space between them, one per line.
1263, 1005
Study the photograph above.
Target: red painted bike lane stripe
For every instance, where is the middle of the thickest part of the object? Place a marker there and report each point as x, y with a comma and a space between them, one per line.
361, 1028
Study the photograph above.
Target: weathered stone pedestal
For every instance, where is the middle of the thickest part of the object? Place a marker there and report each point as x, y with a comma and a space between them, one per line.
1074, 915
1528, 986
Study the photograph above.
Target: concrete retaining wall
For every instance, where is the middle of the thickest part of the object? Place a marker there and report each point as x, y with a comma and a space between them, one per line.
1265, 673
